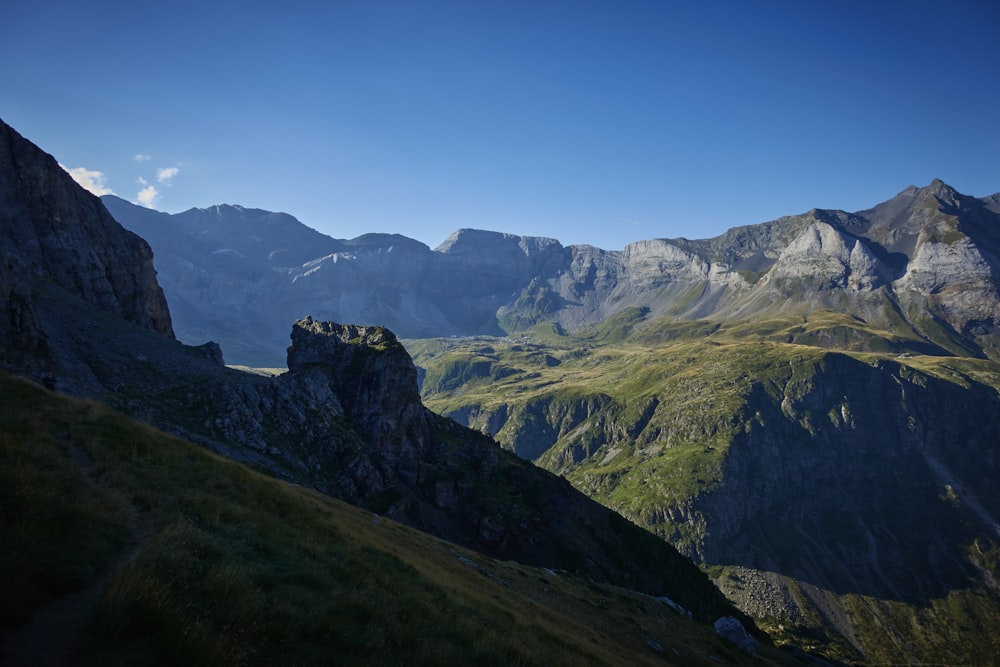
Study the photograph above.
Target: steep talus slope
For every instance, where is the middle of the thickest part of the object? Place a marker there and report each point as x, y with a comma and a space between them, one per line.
52, 233
845, 501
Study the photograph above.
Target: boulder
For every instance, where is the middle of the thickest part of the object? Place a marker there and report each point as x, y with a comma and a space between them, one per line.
732, 630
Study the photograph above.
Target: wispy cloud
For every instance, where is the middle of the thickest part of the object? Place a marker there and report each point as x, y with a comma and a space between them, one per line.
165, 175
142, 181
148, 196
92, 181
139, 157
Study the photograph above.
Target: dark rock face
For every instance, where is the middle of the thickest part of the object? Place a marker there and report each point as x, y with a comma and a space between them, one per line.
374, 380
54, 232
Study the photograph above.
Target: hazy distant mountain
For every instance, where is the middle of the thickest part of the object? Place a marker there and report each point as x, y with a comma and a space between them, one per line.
238, 276
924, 262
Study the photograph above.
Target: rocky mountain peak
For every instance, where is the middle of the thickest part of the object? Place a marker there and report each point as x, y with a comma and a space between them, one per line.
937, 187
939, 193
462, 239
931, 197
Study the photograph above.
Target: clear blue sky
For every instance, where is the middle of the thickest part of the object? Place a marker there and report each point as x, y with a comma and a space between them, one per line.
591, 122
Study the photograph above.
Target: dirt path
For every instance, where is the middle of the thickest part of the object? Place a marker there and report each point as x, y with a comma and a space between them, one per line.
52, 634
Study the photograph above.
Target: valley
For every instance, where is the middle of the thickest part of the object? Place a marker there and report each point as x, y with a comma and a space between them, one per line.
792, 473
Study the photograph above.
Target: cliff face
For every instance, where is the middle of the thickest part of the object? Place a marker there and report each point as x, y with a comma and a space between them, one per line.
374, 380
925, 262
53, 233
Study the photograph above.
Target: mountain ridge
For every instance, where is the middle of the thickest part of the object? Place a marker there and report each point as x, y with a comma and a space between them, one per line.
881, 263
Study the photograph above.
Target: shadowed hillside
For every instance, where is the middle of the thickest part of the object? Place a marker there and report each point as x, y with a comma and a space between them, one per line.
126, 546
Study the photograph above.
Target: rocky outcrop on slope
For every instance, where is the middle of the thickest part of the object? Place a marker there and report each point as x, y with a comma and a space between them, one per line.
54, 234
822, 257
373, 378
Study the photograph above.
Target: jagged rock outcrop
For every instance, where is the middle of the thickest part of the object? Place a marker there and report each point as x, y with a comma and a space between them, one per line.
373, 378
822, 257
53, 234
732, 630
346, 419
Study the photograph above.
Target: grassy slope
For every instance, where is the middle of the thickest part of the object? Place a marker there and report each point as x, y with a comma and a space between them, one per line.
704, 371
164, 553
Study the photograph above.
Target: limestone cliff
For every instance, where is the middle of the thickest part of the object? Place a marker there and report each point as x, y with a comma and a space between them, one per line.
53, 234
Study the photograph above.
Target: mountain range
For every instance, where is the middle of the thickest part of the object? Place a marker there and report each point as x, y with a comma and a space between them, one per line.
129, 540
807, 408
921, 265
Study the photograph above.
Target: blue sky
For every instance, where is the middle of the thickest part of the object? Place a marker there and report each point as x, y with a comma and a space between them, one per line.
590, 122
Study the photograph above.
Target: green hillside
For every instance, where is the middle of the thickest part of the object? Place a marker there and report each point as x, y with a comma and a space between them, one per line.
122, 545
835, 483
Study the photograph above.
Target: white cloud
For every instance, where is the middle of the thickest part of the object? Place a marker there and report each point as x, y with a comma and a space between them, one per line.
92, 181
142, 181
164, 175
148, 196
139, 157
